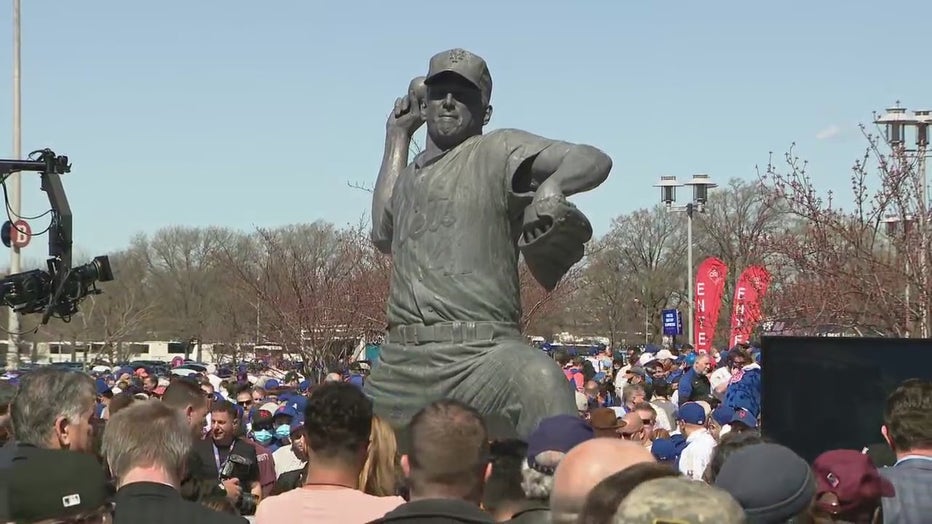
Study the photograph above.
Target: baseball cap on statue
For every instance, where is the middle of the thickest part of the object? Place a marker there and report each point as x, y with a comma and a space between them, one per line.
465, 64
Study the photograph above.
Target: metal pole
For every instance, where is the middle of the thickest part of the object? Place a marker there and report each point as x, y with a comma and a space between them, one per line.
13, 183
923, 247
646, 325
689, 271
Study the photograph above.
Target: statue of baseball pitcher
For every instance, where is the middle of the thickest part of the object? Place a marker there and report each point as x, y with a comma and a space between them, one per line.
454, 221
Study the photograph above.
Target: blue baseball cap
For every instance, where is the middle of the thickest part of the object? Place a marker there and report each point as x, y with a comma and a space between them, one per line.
271, 384
692, 413
558, 433
743, 416
304, 385
664, 450
722, 415
287, 411
102, 387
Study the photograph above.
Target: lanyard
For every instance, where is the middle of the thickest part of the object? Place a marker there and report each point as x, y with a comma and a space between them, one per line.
217, 453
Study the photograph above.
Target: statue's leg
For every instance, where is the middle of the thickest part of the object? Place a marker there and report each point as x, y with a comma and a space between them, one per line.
403, 381
518, 381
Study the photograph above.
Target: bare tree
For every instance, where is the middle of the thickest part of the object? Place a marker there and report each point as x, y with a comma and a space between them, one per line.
739, 225
841, 266
643, 258
320, 288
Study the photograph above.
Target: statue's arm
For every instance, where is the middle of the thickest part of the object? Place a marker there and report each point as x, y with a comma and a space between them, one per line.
394, 160
566, 169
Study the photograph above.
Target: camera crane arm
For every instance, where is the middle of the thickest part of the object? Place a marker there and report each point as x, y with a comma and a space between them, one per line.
57, 291
50, 167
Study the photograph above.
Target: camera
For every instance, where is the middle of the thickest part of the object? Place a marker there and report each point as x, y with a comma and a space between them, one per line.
237, 466
57, 291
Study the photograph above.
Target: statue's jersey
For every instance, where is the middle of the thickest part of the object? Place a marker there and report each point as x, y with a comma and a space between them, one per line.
454, 224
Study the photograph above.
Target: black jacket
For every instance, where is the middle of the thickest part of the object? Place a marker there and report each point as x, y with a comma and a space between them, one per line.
437, 511
153, 503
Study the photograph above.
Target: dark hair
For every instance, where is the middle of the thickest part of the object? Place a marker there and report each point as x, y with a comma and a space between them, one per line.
908, 415
561, 356
225, 406
120, 401
603, 500
662, 388
183, 393
504, 484
337, 421
449, 449
731, 442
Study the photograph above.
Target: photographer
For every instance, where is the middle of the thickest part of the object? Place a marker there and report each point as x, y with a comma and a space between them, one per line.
235, 460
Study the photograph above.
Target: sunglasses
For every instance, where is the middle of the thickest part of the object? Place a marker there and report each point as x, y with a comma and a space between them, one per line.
647, 421
244, 403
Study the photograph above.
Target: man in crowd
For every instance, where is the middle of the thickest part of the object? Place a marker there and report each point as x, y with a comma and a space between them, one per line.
447, 466
699, 442
147, 446
235, 461
694, 384
53, 409
337, 426
547, 445
200, 481
907, 427
585, 466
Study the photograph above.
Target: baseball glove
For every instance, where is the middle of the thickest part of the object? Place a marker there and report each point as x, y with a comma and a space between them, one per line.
554, 238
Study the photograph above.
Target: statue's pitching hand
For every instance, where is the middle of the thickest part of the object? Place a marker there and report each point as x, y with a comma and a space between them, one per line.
407, 115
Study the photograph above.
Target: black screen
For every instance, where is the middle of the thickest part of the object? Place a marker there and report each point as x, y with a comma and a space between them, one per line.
823, 393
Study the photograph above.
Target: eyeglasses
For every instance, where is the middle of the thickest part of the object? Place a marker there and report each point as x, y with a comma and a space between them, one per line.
647, 421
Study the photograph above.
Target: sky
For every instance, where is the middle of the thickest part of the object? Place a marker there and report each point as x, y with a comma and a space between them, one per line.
259, 114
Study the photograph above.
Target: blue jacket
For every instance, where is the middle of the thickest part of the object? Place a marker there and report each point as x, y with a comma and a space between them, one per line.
745, 393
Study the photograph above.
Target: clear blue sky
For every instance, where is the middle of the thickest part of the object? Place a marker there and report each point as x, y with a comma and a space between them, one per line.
249, 114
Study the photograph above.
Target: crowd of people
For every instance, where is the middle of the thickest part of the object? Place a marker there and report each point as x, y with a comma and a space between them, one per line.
661, 435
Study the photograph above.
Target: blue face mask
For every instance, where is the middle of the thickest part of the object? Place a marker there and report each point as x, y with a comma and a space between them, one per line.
263, 436
283, 431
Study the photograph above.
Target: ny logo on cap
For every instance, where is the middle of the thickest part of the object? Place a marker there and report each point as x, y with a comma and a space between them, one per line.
457, 55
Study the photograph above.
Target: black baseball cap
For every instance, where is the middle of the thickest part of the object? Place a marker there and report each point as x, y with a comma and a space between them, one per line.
53, 484
465, 64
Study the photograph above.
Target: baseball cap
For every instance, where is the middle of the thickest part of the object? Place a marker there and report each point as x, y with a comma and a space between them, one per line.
678, 499
852, 478
77, 486
744, 417
271, 384
664, 450
770, 481
558, 433
461, 62
286, 411
582, 402
692, 413
636, 370
269, 407
722, 415
664, 354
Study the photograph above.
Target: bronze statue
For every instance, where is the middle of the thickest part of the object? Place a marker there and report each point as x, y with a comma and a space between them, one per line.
454, 221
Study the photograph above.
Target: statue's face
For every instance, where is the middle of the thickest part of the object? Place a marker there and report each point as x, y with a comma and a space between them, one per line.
454, 110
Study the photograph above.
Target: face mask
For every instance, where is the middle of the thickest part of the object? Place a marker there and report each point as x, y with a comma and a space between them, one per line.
263, 436
283, 431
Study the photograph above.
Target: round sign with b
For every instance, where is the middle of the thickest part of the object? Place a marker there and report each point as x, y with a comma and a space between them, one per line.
19, 233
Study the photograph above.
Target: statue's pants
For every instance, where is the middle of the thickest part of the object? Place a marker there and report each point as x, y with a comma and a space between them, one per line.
484, 364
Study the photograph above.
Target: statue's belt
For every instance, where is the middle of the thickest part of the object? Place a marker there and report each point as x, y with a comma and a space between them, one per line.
451, 332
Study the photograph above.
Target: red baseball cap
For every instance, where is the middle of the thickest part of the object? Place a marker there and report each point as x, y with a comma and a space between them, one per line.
852, 478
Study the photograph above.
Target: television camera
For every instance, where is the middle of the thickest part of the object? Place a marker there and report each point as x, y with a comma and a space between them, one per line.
56, 291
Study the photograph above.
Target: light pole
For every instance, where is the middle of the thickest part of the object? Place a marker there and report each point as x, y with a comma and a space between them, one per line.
646, 320
892, 224
14, 180
896, 121
701, 185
